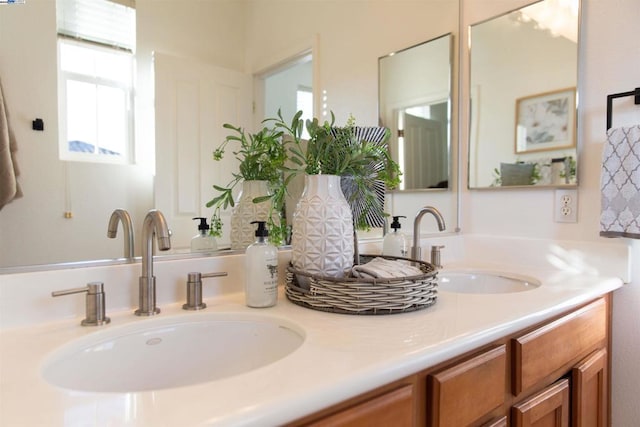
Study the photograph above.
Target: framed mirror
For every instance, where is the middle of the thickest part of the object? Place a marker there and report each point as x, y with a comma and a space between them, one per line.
225, 34
523, 97
414, 102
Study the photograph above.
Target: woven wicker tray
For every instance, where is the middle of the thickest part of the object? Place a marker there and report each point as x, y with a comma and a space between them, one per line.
353, 295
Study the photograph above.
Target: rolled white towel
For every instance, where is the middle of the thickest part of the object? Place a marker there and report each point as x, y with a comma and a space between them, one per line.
380, 268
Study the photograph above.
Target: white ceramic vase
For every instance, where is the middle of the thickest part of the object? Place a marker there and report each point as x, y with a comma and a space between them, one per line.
322, 235
245, 211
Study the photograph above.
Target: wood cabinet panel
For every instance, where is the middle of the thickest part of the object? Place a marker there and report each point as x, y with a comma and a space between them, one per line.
500, 422
548, 349
469, 390
589, 391
394, 408
548, 408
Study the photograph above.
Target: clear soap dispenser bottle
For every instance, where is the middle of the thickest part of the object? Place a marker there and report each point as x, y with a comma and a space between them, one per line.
395, 242
261, 266
203, 241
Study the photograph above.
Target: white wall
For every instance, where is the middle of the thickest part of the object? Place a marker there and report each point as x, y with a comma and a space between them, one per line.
609, 63
33, 229
419, 75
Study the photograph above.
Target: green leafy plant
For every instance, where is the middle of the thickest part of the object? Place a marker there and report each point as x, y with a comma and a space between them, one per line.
333, 150
262, 156
572, 170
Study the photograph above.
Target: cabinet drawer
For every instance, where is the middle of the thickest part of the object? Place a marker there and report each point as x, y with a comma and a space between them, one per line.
544, 351
466, 392
394, 408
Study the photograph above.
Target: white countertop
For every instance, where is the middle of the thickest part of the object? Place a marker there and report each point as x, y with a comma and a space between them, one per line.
342, 356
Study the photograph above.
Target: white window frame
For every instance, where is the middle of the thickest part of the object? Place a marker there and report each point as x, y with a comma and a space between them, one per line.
127, 155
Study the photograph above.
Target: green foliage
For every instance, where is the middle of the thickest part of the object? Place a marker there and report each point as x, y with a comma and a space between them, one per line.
262, 156
334, 150
330, 150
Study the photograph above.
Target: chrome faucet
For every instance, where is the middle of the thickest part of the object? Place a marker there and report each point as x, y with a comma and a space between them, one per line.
416, 251
127, 225
154, 223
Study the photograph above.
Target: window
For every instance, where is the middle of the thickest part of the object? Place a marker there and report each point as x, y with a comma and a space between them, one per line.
95, 81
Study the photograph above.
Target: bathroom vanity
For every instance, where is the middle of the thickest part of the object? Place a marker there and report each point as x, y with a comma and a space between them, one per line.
470, 359
555, 371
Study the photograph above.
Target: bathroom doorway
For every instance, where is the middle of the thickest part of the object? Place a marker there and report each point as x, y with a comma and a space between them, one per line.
286, 86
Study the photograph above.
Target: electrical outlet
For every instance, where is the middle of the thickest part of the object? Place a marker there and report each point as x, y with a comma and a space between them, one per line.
566, 206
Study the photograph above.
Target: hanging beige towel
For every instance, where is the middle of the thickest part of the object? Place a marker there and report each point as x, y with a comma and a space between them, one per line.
620, 183
9, 187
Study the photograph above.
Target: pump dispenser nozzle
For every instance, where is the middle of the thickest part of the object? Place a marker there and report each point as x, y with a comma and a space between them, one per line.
396, 223
203, 223
261, 231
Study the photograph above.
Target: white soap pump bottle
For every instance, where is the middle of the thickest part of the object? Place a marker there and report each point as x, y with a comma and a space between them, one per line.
261, 266
395, 242
203, 241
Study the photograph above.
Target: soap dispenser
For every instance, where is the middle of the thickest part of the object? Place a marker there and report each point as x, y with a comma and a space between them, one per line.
395, 242
203, 241
261, 267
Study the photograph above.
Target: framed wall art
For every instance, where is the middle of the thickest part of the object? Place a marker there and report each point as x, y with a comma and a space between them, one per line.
546, 121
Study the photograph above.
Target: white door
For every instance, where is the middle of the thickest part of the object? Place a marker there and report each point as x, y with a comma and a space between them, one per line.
193, 101
425, 152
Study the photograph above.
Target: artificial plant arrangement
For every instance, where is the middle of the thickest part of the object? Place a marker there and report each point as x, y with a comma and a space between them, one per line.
262, 156
339, 151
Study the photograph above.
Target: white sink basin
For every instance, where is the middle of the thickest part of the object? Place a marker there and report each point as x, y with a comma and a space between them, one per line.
478, 282
160, 353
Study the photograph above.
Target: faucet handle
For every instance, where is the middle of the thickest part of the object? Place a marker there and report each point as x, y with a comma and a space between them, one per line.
435, 255
94, 301
194, 289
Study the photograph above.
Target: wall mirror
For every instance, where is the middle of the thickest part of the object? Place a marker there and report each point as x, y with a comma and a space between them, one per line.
523, 80
227, 34
414, 102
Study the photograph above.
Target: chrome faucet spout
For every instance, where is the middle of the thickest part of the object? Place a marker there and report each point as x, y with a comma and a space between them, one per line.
154, 224
416, 251
121, 215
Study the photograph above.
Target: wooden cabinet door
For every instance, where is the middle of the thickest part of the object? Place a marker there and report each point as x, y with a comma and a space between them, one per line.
548, 408
468, 391
589, 391
392, 409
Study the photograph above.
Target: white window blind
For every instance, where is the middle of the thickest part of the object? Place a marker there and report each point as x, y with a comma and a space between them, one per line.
101, 21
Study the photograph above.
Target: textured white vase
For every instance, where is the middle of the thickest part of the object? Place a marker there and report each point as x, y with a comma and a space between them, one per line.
245, 211
322, 235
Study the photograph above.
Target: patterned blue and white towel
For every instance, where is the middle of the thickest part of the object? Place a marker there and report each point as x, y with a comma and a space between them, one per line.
620, 183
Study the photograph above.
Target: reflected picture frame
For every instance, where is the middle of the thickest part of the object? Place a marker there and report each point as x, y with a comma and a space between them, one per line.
546, 121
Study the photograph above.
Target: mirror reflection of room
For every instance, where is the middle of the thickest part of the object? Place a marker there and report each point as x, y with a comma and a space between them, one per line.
203, 57
523, 78
414, 102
